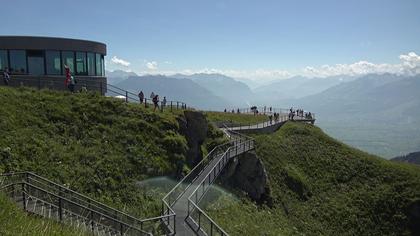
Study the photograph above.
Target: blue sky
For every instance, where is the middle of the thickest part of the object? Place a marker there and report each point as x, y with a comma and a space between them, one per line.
241, 37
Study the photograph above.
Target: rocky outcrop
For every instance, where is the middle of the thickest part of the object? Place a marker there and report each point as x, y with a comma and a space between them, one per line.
247, 173
193, 125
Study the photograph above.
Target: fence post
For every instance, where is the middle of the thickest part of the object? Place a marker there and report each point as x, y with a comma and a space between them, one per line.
126, 96
171, 105
60, 209
199, 219
122, 229
91, 221
24, 196
177, 104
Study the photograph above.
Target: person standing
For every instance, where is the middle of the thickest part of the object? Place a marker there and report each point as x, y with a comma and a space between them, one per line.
6, 76
156, 101
152, 96
72, 84
164, 102
68, 76
141, 97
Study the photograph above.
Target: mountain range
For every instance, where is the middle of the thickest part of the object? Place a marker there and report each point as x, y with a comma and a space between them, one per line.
378, 113
175, 89
297, 87
413, 158
235, 92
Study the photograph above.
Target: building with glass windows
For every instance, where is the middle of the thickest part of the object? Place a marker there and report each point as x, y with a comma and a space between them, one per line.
40, 61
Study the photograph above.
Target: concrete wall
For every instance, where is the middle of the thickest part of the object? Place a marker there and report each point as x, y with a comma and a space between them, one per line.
57, 82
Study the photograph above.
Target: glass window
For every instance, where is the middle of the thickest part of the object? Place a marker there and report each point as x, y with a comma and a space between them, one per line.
81, 63
17, 61
4, 62
98, 65
68, 60
53, 62
103, 65
91, 63
35, 62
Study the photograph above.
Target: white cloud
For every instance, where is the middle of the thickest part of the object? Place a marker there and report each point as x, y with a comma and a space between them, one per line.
409, 65
151, 65
119, 61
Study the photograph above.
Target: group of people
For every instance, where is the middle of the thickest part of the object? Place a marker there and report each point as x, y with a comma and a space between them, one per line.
275, 116
155, 99
299, 113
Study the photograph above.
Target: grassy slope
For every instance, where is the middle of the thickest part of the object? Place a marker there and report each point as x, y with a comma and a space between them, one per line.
326, 188
243, 119
95, 145
15, 222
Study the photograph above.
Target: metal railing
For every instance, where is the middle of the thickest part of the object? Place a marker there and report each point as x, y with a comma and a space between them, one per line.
268, 123
264, 110
84, 85
201, 221
179, 189
65, 204
128, 96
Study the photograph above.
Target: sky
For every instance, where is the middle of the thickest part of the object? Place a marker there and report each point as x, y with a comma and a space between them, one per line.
259, 40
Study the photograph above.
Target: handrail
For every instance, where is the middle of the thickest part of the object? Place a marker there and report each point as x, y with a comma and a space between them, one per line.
88, 202
243, 141
79, 205
192, 171
266, 111
168, 201
62, 198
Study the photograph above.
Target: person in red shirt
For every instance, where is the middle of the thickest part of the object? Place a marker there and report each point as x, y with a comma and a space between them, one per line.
68, 75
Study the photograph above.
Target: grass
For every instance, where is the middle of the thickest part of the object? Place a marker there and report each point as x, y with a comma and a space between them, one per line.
98, 146
16, 222
237, 119
322, 187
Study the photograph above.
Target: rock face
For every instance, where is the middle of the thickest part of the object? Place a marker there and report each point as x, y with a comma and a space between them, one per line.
194, 127
247, 172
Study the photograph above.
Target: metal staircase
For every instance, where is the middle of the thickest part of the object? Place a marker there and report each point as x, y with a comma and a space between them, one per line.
42, 197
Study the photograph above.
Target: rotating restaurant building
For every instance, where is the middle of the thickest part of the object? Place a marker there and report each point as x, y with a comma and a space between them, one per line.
39, 62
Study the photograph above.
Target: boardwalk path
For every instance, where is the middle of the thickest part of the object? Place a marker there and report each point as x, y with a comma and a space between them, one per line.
189, 217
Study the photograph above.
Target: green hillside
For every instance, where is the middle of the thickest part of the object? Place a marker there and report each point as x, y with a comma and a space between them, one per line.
322, 187
117, 153
99, 146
